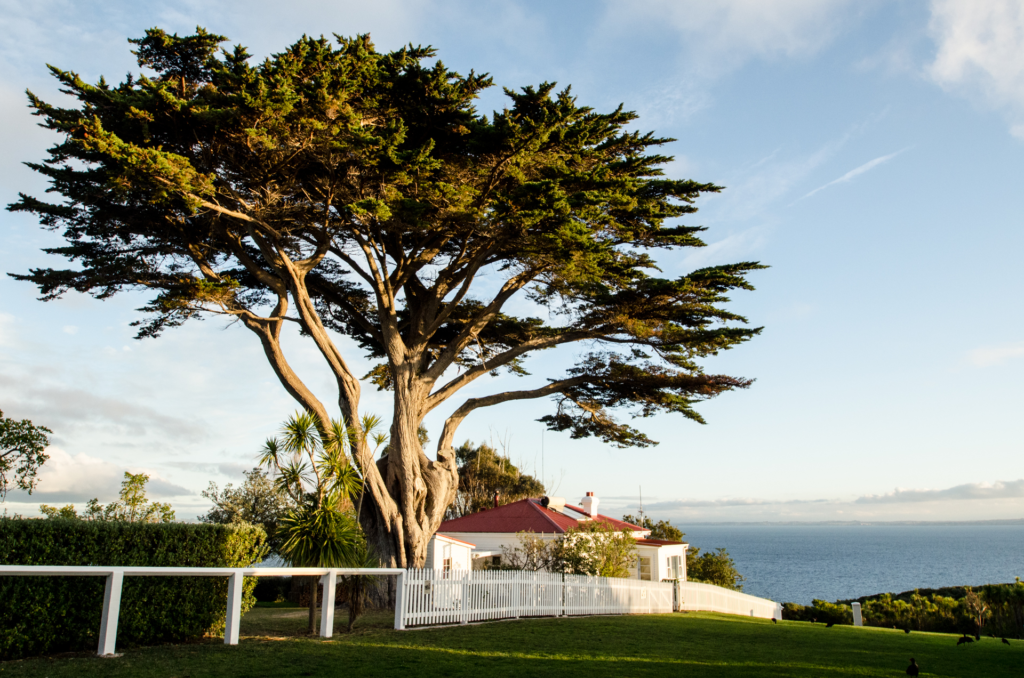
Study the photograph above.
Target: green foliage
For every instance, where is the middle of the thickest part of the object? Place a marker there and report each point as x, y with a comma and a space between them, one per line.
597, 548
592, 548
993, 608
482, 472
713, 567
257, 501
314, 470
57, 614
321, 536
22, 452
659, 530
1005, 602
66, 512
531, 553
131, 507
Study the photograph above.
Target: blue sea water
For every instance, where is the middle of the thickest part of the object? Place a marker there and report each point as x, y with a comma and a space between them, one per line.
797, 563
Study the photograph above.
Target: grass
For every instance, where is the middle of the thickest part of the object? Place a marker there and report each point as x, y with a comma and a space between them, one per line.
694, 644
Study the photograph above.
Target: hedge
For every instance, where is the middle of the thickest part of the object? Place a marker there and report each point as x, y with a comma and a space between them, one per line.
43, 615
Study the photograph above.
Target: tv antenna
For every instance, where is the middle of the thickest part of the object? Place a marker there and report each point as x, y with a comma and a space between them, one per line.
641, 505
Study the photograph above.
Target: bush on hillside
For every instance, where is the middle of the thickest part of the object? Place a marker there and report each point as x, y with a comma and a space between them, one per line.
995, 608
43, 615
819, 611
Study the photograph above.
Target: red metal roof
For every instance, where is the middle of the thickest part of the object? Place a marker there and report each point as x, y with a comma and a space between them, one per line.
525, 515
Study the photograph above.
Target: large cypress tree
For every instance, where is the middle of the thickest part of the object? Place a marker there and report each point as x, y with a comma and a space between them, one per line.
360, 194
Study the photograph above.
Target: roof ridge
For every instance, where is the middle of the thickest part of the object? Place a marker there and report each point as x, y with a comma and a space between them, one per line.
544, 512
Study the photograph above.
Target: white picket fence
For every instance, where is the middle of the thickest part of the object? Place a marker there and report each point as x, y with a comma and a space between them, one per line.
694, 596
431, 597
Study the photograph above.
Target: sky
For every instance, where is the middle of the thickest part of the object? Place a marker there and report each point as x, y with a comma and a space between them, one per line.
872, 154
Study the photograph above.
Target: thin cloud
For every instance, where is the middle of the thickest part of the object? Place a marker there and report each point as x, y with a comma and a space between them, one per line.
856, 172
980, 50
231, 470
987, 356
64, 407
1013, 489
718, 503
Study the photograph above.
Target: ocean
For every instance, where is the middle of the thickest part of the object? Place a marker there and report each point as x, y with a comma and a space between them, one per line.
797, 563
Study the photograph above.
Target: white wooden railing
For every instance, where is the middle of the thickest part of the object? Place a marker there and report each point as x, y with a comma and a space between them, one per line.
431, 597
694, 596
115, 578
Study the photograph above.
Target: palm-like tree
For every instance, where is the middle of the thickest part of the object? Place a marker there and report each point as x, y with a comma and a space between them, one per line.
311, 463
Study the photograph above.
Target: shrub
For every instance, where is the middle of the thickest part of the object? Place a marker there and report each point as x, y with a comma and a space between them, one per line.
713, 567
55, 614
820, 611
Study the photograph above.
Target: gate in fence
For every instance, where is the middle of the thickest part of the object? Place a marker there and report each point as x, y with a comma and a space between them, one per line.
431, 597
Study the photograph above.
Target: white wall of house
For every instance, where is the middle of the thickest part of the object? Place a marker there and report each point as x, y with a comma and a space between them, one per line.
488, 546
445, 553
656, 562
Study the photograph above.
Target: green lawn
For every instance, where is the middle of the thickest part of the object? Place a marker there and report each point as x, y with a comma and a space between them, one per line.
694, 644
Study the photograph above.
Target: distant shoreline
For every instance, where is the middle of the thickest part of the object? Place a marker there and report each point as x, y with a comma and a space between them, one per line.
1006, 521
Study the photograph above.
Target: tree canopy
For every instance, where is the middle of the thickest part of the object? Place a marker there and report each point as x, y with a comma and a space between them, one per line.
483, 471
659, 530
22, 451
132, 505
357, 193
258, 500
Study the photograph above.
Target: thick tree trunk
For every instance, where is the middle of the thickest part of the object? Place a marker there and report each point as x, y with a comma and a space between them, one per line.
417, 493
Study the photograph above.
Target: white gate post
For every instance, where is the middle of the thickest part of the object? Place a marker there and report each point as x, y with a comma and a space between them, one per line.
857, 619
111, 610
400, 601
329, 581
234, 614
465, 596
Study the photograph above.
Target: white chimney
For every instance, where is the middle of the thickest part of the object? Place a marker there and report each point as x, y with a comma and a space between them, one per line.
590, 504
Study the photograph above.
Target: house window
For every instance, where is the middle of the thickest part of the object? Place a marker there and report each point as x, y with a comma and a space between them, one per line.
675, 567
447, 566
495, 561
644, 569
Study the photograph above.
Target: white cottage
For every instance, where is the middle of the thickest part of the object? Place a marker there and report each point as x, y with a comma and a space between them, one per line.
486, 532
448, 553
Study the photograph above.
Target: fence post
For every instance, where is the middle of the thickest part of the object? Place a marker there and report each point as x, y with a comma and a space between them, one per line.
329, 581
400, 601
111, 610
857, 619
465, 596
234, 615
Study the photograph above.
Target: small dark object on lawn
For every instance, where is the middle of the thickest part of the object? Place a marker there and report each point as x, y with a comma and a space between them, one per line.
964, 639
913, 669
814, 620
774, 620
1006, 641
906, 630
977, 637
991, 635
830, 625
